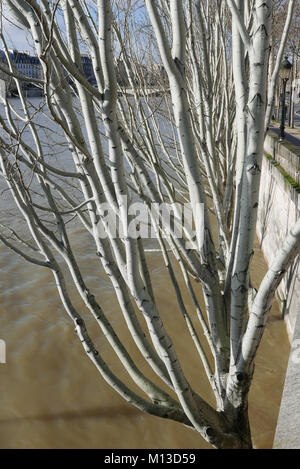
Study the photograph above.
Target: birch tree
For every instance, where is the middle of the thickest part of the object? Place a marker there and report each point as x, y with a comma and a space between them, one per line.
199, 139
292, 49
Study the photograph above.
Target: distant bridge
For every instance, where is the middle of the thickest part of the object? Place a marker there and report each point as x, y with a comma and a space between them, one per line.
143, 91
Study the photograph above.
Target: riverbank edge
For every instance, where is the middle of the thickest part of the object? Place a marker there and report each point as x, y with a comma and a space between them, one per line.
278, 209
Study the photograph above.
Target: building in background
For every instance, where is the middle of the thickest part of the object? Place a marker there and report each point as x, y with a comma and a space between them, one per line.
27, 64
4, 78
296, 91
88, 68
30, 66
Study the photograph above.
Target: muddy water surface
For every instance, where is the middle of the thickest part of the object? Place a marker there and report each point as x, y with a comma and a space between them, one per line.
52, 396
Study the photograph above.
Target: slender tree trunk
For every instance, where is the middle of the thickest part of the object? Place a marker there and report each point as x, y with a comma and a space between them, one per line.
202, 144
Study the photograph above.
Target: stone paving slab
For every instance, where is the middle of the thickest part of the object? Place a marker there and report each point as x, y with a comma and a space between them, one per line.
291, 135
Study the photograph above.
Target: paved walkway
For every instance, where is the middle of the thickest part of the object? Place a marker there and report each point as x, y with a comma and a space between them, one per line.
291, 135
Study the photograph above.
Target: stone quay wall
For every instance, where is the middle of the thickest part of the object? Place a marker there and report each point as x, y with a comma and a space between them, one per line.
279, 208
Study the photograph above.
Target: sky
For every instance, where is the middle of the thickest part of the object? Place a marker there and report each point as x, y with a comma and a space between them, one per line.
15, 36
17, 39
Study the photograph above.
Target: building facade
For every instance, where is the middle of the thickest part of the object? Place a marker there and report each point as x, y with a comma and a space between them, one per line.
30, 66
27, 64
88, 70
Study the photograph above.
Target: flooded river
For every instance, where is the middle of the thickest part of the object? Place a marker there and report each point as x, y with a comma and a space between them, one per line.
53, 397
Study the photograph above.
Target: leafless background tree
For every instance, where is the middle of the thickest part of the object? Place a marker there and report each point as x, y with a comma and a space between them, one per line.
180, 119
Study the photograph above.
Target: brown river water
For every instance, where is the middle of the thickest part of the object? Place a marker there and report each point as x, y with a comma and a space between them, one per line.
53, 397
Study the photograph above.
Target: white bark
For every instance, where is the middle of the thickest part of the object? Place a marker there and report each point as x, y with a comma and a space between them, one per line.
276, 70
200, 141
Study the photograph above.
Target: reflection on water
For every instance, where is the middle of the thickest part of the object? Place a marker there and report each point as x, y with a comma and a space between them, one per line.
52, 396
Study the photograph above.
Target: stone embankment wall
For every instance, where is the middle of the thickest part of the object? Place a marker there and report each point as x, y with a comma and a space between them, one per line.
278, 210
